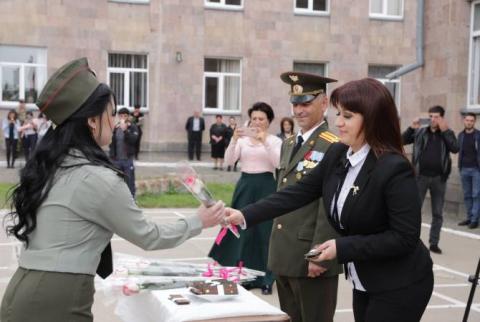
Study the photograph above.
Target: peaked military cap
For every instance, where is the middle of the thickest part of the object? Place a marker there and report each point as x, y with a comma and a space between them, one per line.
66, 90
305, 87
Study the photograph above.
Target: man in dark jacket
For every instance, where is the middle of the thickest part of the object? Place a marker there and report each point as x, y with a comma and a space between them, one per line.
469, 165
432, 146
195, 126
123, 147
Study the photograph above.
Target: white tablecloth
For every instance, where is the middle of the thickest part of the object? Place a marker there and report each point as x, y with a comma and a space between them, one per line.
155, 306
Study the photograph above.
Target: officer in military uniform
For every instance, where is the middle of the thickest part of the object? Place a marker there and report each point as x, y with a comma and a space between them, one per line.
307, 292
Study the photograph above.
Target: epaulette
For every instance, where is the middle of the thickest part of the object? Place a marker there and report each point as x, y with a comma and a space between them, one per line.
329, 137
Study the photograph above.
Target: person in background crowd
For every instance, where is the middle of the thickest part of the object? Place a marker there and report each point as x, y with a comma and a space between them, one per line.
371, 198
259, 153
138, 119
432, 146
43, 124
218, 131
70, 201
22, 111
286, 128
122, 148
195, 126
29, 135
232, 125
11, 127
469, 165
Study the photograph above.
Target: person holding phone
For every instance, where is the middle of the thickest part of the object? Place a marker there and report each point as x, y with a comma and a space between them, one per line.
259, 155
432, 146
11, 128
371, 198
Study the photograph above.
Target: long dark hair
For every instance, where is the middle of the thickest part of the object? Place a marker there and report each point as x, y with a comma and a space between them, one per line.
290, 121
373, 101
36, 178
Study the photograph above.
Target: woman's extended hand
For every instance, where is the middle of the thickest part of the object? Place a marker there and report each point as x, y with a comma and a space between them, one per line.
213, 215
261, 136
234, 216
328, 249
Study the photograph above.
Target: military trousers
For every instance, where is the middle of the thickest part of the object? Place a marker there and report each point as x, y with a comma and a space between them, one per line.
40, 296
307, 299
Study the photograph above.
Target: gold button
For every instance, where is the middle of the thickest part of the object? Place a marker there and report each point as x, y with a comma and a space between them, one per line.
284, 180
279, 226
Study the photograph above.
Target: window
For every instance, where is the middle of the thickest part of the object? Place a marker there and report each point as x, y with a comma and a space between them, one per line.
474, 65
386, 9
128, 78
224, 4
378, 72
312, 68
23, 72
315, 7
222, 85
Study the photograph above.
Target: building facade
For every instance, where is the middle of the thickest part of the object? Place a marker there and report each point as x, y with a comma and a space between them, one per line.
219, 56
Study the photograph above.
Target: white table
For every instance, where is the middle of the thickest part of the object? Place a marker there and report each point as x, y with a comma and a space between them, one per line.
156, 307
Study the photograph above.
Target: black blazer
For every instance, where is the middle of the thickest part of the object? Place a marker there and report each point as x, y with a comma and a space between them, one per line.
381, 221
189, 124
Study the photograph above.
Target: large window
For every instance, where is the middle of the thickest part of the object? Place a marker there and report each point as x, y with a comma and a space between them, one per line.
222, 81
128, 78
379, 72
224, 4
474, 66
311, 68
23, 72
315, 7
386, 9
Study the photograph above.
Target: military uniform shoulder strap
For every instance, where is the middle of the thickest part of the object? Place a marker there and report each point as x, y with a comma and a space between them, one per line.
329, 137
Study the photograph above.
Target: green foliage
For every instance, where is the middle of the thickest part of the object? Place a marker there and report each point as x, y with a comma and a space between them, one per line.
170, 199
174, 199
4, 190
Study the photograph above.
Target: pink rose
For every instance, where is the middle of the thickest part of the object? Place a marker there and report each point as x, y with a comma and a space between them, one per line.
130, 289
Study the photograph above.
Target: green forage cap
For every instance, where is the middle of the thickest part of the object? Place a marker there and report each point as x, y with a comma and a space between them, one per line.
305, 87
66, 90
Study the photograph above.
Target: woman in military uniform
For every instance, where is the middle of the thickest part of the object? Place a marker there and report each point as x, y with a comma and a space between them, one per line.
71, 200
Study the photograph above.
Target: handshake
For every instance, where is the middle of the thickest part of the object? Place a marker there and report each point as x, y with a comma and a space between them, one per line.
218, 214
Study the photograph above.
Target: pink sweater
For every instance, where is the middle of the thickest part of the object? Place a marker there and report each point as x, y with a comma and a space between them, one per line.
255, 158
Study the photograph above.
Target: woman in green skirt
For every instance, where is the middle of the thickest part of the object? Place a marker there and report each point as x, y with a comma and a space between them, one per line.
259, 154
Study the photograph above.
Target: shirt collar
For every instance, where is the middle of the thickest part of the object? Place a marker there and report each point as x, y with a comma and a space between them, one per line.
305, 136
359, 156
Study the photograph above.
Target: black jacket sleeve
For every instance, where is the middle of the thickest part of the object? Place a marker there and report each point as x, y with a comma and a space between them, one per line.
408, 137
450, 141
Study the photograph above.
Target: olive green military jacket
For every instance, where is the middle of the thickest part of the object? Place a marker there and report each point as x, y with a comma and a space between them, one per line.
295, 233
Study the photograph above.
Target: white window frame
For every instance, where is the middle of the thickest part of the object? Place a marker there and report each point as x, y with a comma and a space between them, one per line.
384, 81
223, 6
21, 88
309, 11
221, 79
384, 15
126, 74
472, 71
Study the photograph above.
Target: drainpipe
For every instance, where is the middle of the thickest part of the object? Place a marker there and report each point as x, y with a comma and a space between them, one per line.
419, 45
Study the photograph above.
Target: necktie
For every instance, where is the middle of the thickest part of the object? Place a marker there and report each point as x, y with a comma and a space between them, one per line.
105, 267
341, 179
296, 147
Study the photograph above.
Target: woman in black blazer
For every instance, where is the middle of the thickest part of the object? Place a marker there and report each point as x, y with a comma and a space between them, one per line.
371, 198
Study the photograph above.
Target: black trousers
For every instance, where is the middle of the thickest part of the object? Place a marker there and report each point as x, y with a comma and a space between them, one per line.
137, 144
194, 143
437, 189
403, 305
11, 147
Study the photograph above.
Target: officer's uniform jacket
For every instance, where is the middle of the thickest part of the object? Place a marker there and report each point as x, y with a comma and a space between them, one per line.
295, 233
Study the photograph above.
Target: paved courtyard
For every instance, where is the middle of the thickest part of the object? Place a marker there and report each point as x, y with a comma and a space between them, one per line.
461, 253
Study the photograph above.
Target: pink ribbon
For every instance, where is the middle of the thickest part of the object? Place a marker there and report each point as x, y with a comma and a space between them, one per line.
223, 233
